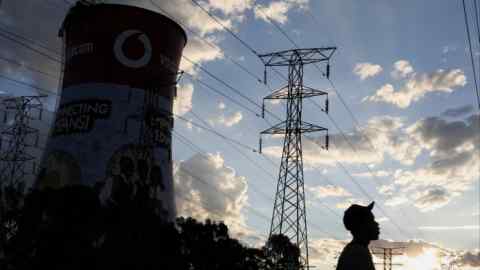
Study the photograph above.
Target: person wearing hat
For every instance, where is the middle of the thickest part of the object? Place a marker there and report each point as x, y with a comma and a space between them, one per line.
359, 220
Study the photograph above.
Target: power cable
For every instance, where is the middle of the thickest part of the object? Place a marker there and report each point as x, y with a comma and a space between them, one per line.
467, 27
3, 35
232, 88
226, 28
253, 210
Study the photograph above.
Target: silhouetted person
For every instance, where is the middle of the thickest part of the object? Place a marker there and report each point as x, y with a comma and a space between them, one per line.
361, 223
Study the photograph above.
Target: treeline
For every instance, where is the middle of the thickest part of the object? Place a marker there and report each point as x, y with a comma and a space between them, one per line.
69, 228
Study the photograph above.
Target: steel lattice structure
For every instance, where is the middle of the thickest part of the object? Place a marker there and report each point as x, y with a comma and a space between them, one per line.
15, 141
18, 137
289, 211
388, 253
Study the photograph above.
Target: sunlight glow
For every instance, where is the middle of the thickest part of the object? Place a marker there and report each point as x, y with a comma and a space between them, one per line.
428, 260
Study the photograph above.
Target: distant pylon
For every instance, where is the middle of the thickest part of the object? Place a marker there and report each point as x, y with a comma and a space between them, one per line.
18, 137
289, 212
388, 254
15, 141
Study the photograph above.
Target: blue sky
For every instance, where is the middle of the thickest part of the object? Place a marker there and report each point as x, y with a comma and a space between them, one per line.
400, 65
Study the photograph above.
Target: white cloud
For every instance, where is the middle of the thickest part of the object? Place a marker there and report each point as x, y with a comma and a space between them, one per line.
277, 11
328, 191
366, 70
183, 101
324, 252
206, 188
449, 228
401, 69
199, 52
396, 200
229, 7
450, 148
222, 106
345, 204
380, 173
385, 133
417, 86
187, 13
228, 121
382, 219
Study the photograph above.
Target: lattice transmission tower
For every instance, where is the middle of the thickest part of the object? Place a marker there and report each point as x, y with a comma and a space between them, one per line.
388, 254
18, 137
289, 211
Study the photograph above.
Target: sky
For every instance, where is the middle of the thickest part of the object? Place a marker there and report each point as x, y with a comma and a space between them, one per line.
403, 70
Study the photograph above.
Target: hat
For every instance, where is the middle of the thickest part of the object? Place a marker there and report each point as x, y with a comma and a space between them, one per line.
356, 214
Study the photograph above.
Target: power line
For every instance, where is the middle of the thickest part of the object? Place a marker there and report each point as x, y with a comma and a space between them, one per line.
253, 210
467, 27
3, 35
42, 90
209, 43
237, 90
14, 62
226, 28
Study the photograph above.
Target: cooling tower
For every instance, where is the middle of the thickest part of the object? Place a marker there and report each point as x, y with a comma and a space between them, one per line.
113, 124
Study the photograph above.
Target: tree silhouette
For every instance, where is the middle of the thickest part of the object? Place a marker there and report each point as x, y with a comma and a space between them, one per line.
69, 228
282, 253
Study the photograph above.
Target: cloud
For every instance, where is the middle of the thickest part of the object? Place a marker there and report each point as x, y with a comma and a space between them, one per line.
206, 188
222, 106
449, 228
380, 173
471, 259
432, 198
328, 191
418, 86
229, 7
183, 101
452, 148
459, 111
199, 52
325, 251
277, 11
396, 200
228, 121
382, 219
366, 70
345, 204
401, 69
187, 13
385, 133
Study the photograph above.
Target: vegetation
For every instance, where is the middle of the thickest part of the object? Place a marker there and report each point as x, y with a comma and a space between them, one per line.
69, 228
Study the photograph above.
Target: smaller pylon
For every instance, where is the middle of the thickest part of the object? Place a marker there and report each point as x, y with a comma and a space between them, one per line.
15, 141
388, 253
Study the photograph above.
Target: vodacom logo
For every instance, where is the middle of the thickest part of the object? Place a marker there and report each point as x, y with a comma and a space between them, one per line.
120, 54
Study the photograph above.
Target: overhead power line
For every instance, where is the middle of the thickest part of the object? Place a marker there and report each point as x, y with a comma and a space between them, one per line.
467, 28
272, 114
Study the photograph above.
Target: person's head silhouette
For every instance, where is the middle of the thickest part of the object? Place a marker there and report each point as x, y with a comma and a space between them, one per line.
359, 220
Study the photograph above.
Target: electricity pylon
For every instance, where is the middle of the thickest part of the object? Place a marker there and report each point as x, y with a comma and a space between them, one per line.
18, 137
15, 141
388, 254
289, 212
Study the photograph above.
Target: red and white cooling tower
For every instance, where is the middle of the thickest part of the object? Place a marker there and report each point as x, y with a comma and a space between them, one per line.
113, 124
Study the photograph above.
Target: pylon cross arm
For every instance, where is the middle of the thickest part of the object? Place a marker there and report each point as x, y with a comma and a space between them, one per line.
306, 92
304, 127
300, 56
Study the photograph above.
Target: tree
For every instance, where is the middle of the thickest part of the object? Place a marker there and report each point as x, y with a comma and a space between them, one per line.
282, 253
